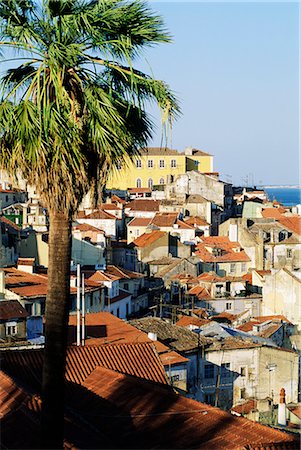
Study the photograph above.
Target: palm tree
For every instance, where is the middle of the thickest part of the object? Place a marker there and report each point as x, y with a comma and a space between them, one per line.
72, 106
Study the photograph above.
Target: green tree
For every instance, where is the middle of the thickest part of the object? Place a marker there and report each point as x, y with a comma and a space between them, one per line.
72, 106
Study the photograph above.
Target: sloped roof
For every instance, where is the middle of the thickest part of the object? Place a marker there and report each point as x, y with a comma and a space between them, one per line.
293, 223
115, 410
136, 359
143, 205
165, 219
116, 199
276, 213
156, 151
100, 276
200, 292
140, 222
100, 214
109, 207
12, 309
185, 321
178, 338
222, 242
87, 227
196, 221
121, 273
246, 407
148, 238
10, 223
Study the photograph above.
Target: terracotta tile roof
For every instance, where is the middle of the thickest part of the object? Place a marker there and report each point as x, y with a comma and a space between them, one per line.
121, 273
99, 276
248, 277
185, 321
232, 344
106, 328
275, 213
184, 225
269, 331
225, 316
293, 223
296, 410
139, 191
148, 238
196, 221
165, 219
248, 326
172, 359
228, 248
10, 223
178, 338
245, 407
109, 207
275, 318
136, 359
87, 227
12, 309
26, 261
140, 222
99, 215
200, 292
159, 418
116, 199
143, 205
263, 272
145, 414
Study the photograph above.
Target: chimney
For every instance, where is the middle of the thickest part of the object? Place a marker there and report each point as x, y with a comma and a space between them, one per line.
26, 264
188, 151
282, 408
2, 284
152, 336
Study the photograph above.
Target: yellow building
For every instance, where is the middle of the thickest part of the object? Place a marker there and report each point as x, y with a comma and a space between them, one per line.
157, 165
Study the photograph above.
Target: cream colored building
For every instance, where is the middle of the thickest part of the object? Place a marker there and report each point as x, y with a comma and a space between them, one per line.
281, 294
157, 166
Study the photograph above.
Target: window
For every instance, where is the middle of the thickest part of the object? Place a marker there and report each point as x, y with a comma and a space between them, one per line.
289, 253
175, 378
209, 371
127, 310
243, 267
11, 330
29, 307
138, 183
243, 371
150, 183
126, 286
173, 163
226, 372
161, 181
232, 267
161, 163
118, 312
229, 306
242, 393
209, 399
150, 163
138, 163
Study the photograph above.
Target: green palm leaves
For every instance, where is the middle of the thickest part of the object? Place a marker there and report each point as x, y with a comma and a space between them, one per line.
74, 106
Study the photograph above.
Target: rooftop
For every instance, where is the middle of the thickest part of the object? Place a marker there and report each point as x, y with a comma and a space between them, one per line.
143, 205
148, 238
230, 251
12, 309
140, 222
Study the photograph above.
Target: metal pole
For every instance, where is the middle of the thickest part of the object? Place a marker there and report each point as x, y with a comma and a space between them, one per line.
83, 309
78, 305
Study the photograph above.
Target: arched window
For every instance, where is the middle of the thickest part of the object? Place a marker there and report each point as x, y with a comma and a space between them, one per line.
138, 183
150, 183
161, 181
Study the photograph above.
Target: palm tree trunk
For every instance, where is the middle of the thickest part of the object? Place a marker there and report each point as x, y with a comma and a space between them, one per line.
57, 309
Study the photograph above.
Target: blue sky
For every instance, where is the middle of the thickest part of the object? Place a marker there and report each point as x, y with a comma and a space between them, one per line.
235, 69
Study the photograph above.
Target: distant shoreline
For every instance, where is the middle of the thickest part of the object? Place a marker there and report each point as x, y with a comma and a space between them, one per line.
276, 186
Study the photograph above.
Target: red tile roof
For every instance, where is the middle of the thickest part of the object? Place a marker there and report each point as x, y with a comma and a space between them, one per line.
200, 292
26, 261
172, 358
162, 419
143, 205
229, 250
12, 309
148, 238
196, 221
109, 207
10, 223
87, 227
228, 317
245, 407
165, 219
100, 215
121, 273
116, 199
184, 225
121, 296
140, 222
185, 321
275, 213
274, 318
139, 191
99, 276
293, 223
